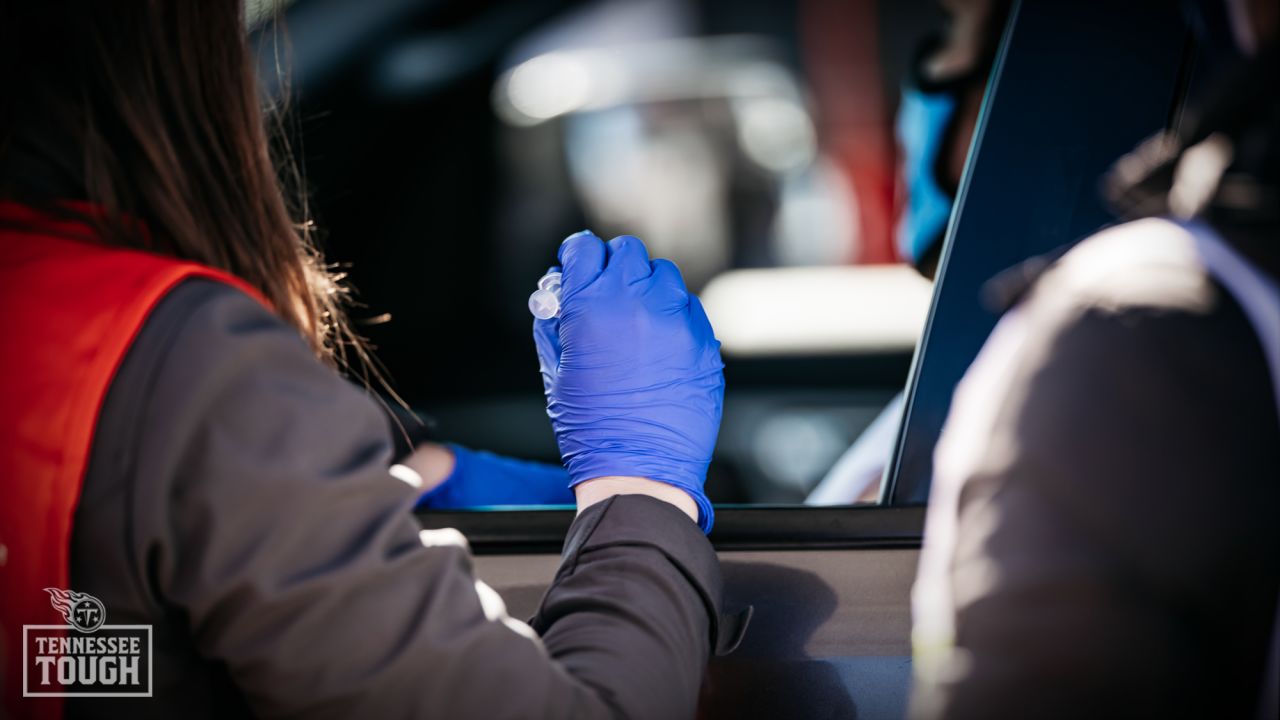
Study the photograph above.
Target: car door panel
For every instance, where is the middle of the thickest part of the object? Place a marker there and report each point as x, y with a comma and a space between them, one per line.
828, 636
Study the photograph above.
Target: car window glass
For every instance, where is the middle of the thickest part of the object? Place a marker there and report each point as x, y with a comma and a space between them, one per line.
1058, 141
757, 144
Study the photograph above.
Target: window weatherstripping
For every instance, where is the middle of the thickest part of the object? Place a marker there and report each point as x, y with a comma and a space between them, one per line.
756, 527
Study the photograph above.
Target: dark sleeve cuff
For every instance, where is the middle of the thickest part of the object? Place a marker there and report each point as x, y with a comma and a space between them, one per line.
645, 522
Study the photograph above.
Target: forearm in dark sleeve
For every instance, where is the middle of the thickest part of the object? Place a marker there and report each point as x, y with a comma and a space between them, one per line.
631, 613
292, 553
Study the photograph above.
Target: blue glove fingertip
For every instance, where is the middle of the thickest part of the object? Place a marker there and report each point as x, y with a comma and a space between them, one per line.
582, 257
580, 233
629, 259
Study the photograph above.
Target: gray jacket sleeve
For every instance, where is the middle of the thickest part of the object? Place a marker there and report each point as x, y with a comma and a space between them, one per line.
239, 498
1101, 539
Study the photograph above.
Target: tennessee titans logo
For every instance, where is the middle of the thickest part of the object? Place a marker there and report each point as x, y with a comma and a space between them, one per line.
83, 611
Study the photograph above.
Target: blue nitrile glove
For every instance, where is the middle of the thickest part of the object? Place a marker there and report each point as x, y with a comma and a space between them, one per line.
481, 478
631, 369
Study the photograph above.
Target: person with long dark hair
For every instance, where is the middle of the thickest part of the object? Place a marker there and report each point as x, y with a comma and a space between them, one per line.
180, 450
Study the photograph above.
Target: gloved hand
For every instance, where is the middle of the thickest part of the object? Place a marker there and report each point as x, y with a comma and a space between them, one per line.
631, 369
480, 478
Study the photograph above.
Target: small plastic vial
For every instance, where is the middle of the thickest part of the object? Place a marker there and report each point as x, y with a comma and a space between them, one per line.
544, 303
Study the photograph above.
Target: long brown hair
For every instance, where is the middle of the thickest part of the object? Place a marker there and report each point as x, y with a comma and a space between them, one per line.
151, 108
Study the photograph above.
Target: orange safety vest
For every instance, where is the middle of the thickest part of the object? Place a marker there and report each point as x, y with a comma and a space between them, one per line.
71, 308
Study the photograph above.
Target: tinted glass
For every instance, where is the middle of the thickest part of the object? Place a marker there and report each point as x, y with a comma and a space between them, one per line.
1067, 100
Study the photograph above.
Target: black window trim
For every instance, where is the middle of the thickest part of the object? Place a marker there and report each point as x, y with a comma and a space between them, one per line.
754, 527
